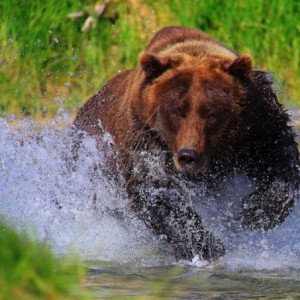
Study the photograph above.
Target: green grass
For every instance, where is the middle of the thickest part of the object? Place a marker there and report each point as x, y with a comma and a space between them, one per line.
29, 271
46, 60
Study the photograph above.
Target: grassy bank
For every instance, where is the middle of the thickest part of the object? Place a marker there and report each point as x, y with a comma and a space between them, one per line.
46, 60
29, 271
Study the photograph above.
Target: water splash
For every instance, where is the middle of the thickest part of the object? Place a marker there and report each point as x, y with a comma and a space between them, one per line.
69, 209
74, 210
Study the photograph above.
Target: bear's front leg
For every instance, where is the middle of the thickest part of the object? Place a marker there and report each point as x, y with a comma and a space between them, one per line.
268, 206
276, 174
168, 216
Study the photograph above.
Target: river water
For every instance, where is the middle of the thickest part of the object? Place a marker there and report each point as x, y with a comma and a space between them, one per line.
81, 211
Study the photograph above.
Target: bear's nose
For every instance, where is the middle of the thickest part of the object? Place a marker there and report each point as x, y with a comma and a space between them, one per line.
188, 158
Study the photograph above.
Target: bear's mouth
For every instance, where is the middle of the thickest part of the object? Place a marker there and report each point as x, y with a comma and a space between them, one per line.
189, 160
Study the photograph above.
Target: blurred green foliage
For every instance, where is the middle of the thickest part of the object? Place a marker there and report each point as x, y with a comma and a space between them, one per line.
47, 61
29, 271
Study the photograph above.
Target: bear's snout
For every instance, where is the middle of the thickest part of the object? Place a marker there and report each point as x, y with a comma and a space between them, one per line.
190, 160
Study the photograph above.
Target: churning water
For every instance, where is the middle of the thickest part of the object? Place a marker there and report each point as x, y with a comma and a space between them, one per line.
80, 210
77, 210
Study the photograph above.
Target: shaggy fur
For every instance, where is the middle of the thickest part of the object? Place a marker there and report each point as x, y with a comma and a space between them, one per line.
209, 115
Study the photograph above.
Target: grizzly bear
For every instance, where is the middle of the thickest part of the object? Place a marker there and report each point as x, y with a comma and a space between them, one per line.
206, 115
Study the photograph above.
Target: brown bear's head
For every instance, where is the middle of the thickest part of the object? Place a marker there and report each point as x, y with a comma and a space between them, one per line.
192, 104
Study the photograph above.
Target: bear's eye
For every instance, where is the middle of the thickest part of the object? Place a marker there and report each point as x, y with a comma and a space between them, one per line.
182, 112
183, 109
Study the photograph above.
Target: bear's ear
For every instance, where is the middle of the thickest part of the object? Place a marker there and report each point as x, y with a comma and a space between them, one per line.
240, 67
154, 65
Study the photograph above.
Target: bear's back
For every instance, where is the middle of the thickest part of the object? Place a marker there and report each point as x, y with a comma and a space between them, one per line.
176, 39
